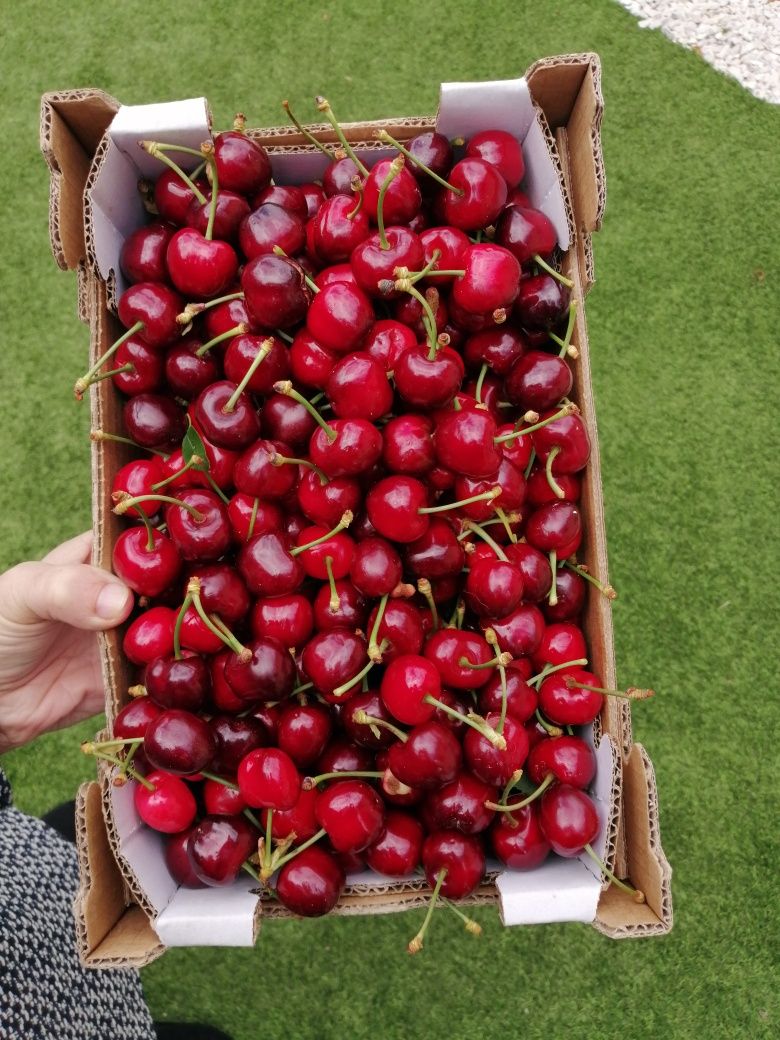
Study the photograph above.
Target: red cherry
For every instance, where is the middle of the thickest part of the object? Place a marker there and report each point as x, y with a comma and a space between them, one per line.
449, 646
136, 478
493, 588
568, 819
234, 428
541, 302
142, 257
222, 592
407, 681
331, 659
521, 699
288, 619
350, 612
540, 492
169, 807
178, 862
304, 731
397, 850
268, 779
249, 517
235, 738
517, 839
198, 267
270, 226
336, 230
569, 759
482, 195
402, 198
156, 307
299, 821
362, 733
570, 706
464, 443
358, 388
203, 537
460, 855
491, 279
356, 447
555, 527
243, 165
175, 683
460, 805
526, 233
352, 814
570, 591
393, 506
311, 884
429, 757
535, 569
570, 436
243, 352
375, 569
374, 263
269, 675
173, 197
386, 340
339, 317
500, 149
341, 756
231, 209
179, 742
134, 718
486, 761
560, 643
150, 635
437, 554
187, 374
519, 633
275, 292
148, 572
153, 421
219, 800
267, 567
426, 382
218, 846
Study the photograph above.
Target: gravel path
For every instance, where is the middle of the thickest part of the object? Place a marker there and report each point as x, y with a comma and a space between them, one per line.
739, 37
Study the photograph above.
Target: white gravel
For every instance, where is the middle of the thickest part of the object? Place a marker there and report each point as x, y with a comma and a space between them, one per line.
739, 37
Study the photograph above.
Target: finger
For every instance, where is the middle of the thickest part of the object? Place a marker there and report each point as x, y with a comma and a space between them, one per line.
76, 594
75, 550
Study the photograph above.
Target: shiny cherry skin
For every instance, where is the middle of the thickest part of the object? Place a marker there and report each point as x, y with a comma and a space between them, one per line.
338, 549
235, 429
304, 731
568, 819
401, 628
430, 756
170, 807
386, 340
249, 517
342, 756
150, 635
331, 659
570, 759
434, 151
222, 591
339, 317
235, 738
313, 197
358, 388
173, 198
526, 233
402, 199
288, 196
570, 436
426, 382
181, 684
535, 569
268, 676
146, 374
437, 554
335, 273
275, 292
203, 539
231, 210
538, 381
460, 855
491, 279
356, 447
218, 846
502, 150
393, 506
493, 588
407, 681
448, 646
351, 611
336, 229
219, 800
460, 805
137, 478
375, 569
555, 527
154, 421
372, 704
288, 619
521, 700
268, 779
267, 567
156, 306
186, 374
179, 742
199, 267
224, 317
325, 503
311, 884
489, 763
500, 348
142, 257
570, 706
300, 820
517, 839
408, 447
397, 850
540, 492
255, 473
352, 814
520, 632
269, 226
243, 165
560, 643
541, 302
310, 362
148, 572
571, 591
374, 264
134, 718
284, 419
178, 862
339, 176
451, 244
482, 197
464, 442
241, 354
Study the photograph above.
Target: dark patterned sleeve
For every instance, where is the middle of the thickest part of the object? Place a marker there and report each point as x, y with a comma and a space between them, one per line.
44, 991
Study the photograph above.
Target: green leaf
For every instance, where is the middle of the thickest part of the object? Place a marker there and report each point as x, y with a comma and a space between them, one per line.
192, 444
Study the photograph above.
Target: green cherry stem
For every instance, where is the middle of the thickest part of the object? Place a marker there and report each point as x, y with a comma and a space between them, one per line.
480, 380
633, 693
124, 501
548, 727
238, 330
638, 894
252, 520
345, 687
552, 595
567, 409
194, 462
310, 782
550, 669
470, 924
208, 150
219, 780
323, 105
486, 496
334, 602
157, 151
285, 387
99, 436
278, 251
305, 133
192, 310
530, 466
262, 354
395, 168
416, 944
177, 627
405, 285
362, 718
498, 807
583, 572
374, 651
221, 631
478, 529
385, 138
346, 519
425, 590
471, 719
565, 342
551, 270
289, 460
88, 378
552, 483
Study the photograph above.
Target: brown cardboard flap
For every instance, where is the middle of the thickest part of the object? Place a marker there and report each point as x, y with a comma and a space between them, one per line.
72, 123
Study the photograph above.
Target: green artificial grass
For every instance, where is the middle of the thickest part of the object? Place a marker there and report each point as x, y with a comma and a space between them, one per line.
683, 337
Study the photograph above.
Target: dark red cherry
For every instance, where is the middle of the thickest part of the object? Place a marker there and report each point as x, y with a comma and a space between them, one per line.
200, 268
243, 165
375, 569
401, 629
555, 527
461, 858
464, 442
559, 644
430, 756
339, 176
311, 884
453, 650
235, 738
358, 388
233, 429
426, 382
231, 209
218, 846
269, 226
304, 731
408, 447
432, 150
491, 279
268, 676
313, 196
540, 492
493, 588
538, 381
500, 149
275, 292
349, 611
222, 591
325, 503
285, 419
255, 473
570, 759
268, 779
482, 195
541, 302
249, 517
526, 233
570, 591
356, 447
535, 569
134, 718
224, 317
288, 619
242, 353
437, 553
341, 756
154, 421
386, 340
187, 374
268, 568
205, 537
570, 706
352, 814
337, 228
331, 659
142, 257
520, 632
168, 806
517, 839
288, 196
339, 317
568, 819
375, 264
299, 821
393, 506
397, 850
489, 763
408, 680
173, 197
310, 362
499, 348
179, 742
402, 198
371, 703
460, 805
569, 436
136, 478
181, 684
178, 862
521, 699
335, 273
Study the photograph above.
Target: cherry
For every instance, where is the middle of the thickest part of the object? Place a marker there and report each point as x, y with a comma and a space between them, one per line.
288, 619
178, 862
148, 571
310, 363
187, 373
230, 210
454, 653
168, 805
153, 421
569, 436
154, 307
476, 196
570, 706
310, 884
137, 479
313, 196
325, 501
437, 553
340, 607
241, 355
493, 588
491, 279
428, 380
517, 839
538, 381
460, 857
330, 557
402, 198
394, 506
352, 814
243, 165
196, 636
464, 443
540, 491
222, 592
386, 340
527, 233
257, 474
331, 659
560, 643
341, 756
304, 731
358, 388
335, 273
397, 850
199, 267
521, 699
173, 683
179, 742
502, 150
134, 718
271, 226
339, 317
268, 779
232, 427
219, 800
569, 759
375, 569
429, 756
338, 227
138, 368
541, 302
289, 197
354, 448
269, 675
275, 291
299, 821
284, 419
249, 517
499, 348
173, 198
150, 635
204, 536
570, 593
460, 805
339, 176
218, 847
234, 739
142, 257
374, 262
267, 567
568, 819
489, 763
224, 317
519, 633
534, 568
364, 733
555, 528
408, 447
408, 680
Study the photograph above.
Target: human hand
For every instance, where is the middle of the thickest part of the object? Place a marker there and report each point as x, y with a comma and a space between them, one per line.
49, 662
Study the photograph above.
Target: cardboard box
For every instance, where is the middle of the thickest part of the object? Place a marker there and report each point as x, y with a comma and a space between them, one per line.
128, 908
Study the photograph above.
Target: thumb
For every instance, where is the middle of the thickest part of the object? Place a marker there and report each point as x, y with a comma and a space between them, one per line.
76, 594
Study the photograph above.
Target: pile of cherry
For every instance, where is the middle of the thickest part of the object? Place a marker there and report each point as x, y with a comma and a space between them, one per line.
352, 522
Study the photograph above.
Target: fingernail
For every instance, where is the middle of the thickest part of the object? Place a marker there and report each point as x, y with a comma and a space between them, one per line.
111, 600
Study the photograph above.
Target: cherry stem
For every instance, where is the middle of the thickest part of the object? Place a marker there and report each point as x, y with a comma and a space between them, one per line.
486, 496
125, 502
530, 466
415, 276
395, 168
304, 132
238, 330
345, 687
471, 525
216, 625
633, 693
344, 522
157, 151
385, 138
513, 779
215, 486
583, 572
416, 943
129, 367
507, 521
357, 187
285, 460
456, 620
100, 435
552, 596
550, 669
177, 627
334, 603
323, 105
548, 727
504, 699
364, 719
553, 484
88, 378
219, 780
567, 409
214, 178
498, 807
472, 719
285, 387
283, 335
95, 750
314, 781
278, 251
425, 590
90, 747
149, 530
482, 373
247, 866
252, 520
300, 848
551, 270
267, 868
192, 310
374, 651
406, 285
564, 343
499, 659
194, 462
638, 894
471, 925
262, 353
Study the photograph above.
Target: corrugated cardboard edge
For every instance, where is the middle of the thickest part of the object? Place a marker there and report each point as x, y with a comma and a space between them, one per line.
110, 930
